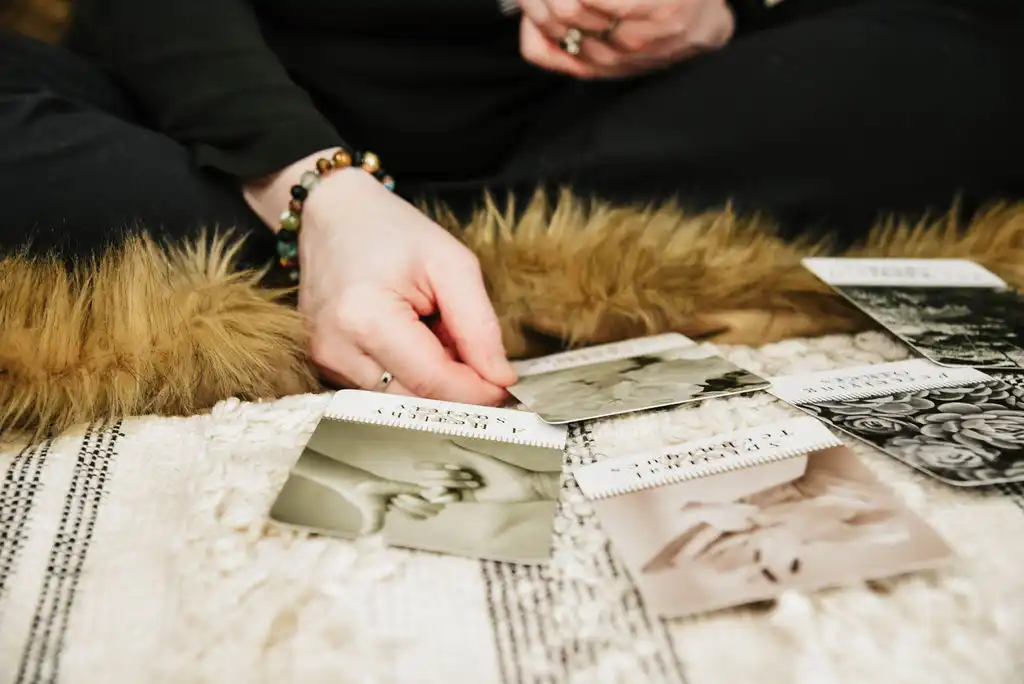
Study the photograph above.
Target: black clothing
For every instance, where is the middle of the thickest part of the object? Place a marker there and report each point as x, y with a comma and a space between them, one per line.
825, 112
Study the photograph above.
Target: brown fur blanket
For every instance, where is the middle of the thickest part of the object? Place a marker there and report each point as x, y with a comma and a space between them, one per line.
148, 329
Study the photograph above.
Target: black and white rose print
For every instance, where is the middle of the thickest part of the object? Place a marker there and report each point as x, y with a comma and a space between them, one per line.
972, 435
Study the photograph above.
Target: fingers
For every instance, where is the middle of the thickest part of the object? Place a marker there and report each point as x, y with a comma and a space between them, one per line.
536, 48
555, 17
415, 507
449, 476
469, 320
343, 365
391, 335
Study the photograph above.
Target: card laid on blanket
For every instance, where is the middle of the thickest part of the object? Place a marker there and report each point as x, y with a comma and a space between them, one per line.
430, 475
954, 312
625, 377
961, 426
743, 516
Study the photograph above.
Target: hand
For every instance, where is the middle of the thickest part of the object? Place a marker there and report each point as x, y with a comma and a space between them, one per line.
375, 496
373, 270
649, 34
489, 479
371, 494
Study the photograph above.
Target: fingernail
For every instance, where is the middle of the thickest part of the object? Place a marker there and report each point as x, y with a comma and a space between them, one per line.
472, 485
452, 466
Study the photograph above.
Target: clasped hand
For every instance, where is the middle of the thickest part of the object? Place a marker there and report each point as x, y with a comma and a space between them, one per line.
621, 37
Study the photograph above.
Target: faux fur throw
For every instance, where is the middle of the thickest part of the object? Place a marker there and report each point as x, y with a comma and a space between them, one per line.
154, 330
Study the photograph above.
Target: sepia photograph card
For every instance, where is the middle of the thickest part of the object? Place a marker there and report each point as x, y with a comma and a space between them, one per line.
434, 476
961, 426
616, 379
953, 312
765, 521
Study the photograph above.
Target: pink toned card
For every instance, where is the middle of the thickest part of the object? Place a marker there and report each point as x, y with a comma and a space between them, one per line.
743, 517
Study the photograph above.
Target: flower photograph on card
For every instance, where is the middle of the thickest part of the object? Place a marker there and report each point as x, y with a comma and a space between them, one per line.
970, 435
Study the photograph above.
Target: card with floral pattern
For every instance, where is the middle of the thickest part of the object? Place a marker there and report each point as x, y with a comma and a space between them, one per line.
958, 425
951, 311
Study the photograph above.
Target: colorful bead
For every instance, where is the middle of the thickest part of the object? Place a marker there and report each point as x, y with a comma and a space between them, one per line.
290, 221
288, 250
342, 159
370, 162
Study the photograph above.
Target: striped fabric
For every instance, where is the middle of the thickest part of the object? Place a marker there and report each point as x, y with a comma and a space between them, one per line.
139, 551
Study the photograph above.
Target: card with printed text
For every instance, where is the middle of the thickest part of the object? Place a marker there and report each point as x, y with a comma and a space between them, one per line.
961, 426
430, 475
953, 312
744, 516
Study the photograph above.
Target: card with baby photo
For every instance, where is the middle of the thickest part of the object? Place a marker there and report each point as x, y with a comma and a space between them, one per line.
953, 312
640, 375
742, 517
429, 475
961, 426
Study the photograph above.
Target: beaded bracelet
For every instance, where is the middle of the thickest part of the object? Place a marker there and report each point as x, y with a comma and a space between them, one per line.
291, 219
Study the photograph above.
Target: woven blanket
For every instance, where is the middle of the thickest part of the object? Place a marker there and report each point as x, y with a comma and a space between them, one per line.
140, 551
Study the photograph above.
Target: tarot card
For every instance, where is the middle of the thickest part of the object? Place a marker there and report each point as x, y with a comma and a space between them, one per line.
429, 475
951, 311
960, 426
742, 517
615, 379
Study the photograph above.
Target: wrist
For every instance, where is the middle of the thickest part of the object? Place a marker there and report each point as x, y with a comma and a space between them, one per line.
269, 196
340, 188
289, 189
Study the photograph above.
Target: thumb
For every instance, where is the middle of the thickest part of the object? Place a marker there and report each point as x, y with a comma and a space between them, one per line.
373, 502
373, 511
469, 318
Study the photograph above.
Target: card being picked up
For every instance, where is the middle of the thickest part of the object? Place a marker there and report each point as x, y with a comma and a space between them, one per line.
954, 312
623, 377
961, 426
431, 475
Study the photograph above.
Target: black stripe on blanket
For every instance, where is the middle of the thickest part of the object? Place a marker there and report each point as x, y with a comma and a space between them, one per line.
23, 479
527, 605
1015, 491
40, 660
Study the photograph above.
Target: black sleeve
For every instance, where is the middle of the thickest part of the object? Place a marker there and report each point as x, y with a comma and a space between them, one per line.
203, 74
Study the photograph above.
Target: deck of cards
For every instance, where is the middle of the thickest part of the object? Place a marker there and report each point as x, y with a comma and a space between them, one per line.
719, 522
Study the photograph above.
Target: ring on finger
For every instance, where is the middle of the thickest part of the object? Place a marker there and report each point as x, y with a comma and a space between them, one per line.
606, 34
572, 42
385, 380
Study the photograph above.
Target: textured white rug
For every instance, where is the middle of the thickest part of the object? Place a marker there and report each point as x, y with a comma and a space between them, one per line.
139, 552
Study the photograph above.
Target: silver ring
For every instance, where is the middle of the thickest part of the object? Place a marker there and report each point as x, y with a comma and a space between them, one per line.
571, 43
607, 32
385, 380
